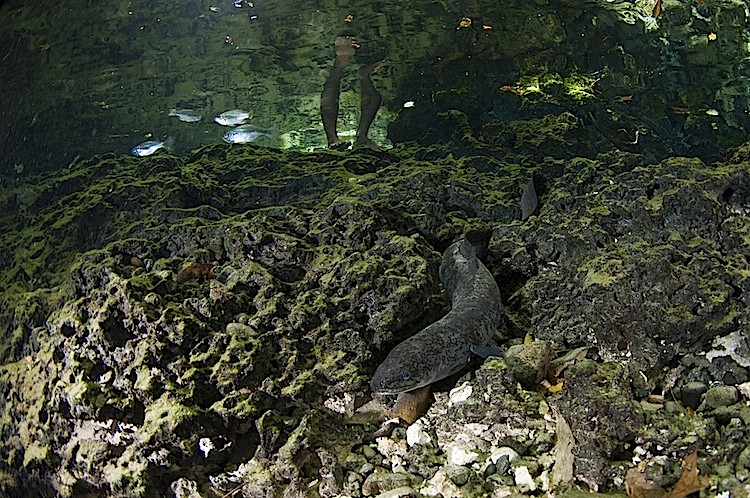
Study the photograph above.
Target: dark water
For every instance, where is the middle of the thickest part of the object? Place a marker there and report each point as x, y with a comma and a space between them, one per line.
88, 77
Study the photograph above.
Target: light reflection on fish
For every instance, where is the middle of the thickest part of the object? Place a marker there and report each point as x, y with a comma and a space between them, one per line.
186, 115
147, 148
231, 118
245, 134
150, 146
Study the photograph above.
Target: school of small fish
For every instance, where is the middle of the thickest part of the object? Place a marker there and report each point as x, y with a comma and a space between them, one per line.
241, 132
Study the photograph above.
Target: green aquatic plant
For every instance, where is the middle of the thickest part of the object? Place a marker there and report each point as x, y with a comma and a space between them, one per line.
544, 85
580, 86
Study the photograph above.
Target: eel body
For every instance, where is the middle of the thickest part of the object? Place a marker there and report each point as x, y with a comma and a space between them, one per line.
444, 347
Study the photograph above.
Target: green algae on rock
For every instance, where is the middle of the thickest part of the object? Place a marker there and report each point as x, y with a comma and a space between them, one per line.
118, 380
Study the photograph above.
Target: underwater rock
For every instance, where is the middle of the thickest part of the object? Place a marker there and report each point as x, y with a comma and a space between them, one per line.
691, 394
719, 396
115, 377
529, 362
383, 482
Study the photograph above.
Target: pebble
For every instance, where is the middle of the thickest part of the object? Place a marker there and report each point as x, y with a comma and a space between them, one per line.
381, 482
691, 393
393, 451
239, 329
721, 396
543, 443
491, 469
503, 453
459, 475
369, 452
673, 407
503, 465
354, 461
185, 488
726, 415
399, 493
529, 362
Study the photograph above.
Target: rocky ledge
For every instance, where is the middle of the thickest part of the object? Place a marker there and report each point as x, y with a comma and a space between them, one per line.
207, 325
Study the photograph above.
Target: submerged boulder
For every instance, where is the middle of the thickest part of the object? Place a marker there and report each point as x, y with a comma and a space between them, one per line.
209, 324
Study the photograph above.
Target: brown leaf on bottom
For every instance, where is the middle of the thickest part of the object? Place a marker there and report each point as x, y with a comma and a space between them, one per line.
689, 481
637, 486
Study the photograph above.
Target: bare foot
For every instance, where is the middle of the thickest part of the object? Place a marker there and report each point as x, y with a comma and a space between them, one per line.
340, 145
344, 46
364, 142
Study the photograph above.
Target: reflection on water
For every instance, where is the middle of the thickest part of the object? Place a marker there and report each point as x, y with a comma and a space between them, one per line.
103, 76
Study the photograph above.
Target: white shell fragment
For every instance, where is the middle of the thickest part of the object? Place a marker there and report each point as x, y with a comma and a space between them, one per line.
205, 445
458, 455
523, 479
460, 394
415, 434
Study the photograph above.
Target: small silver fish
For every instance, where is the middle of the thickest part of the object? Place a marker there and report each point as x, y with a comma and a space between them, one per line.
147, 148
231, 118
186, 115
150, 146
245, 134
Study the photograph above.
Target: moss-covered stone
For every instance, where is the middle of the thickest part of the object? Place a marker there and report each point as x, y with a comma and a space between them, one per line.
299, 272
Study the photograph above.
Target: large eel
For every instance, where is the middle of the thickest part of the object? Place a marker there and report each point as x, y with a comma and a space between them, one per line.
443, 348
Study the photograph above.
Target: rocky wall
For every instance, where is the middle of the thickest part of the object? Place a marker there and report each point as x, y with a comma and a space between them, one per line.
207, 325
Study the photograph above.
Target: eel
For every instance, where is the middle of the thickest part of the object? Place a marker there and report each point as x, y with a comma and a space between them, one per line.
446, 346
